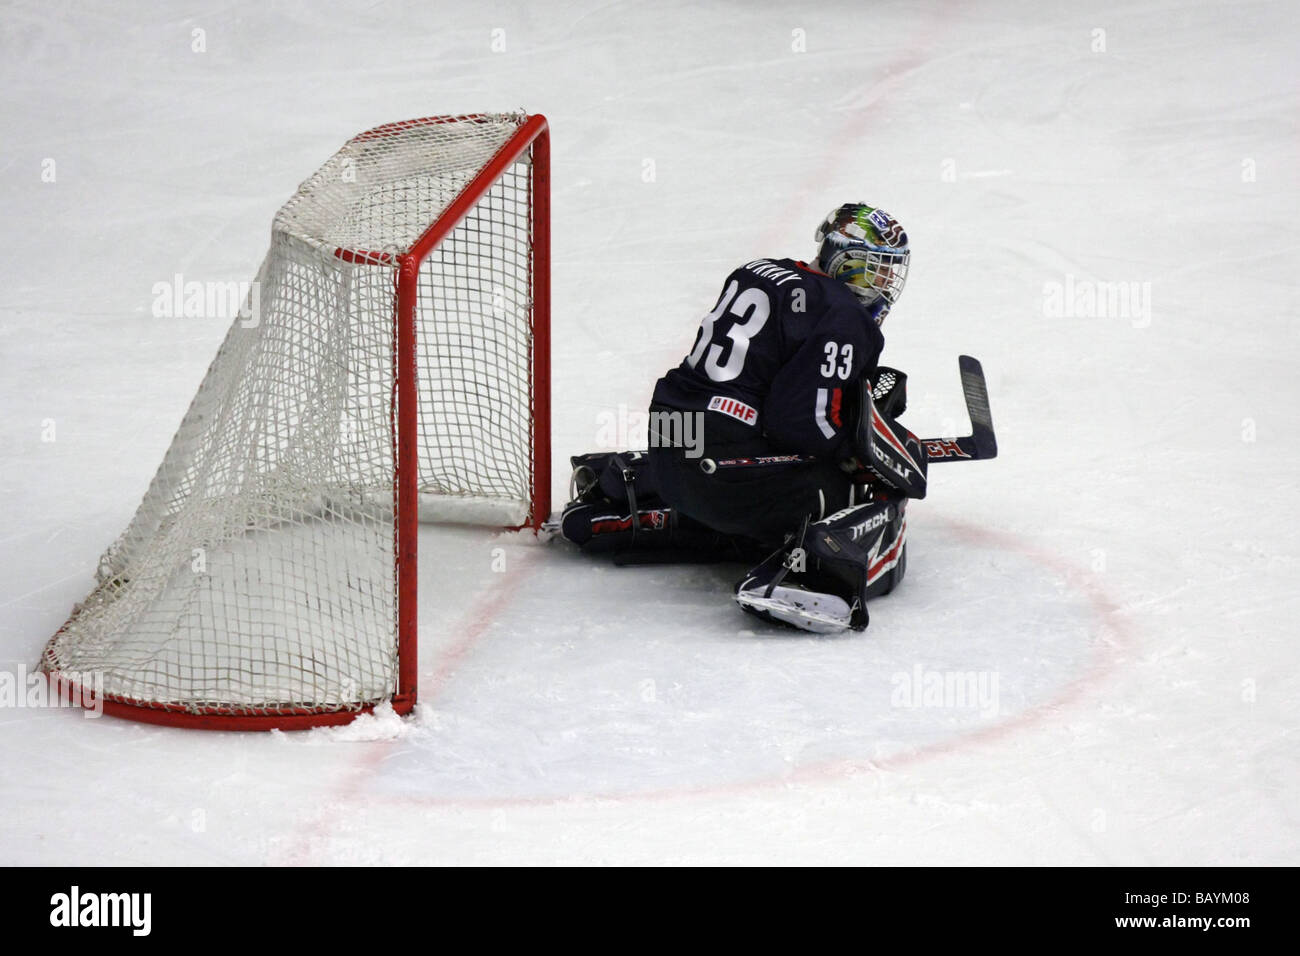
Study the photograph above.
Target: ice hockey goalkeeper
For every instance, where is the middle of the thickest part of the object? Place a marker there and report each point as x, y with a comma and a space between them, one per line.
778, 435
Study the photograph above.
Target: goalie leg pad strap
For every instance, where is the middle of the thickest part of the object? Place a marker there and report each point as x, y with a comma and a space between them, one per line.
852, 555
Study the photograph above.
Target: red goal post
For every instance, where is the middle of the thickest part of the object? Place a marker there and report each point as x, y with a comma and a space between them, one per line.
533, 135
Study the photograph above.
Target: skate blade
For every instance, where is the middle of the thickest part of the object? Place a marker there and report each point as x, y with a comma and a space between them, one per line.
806, 610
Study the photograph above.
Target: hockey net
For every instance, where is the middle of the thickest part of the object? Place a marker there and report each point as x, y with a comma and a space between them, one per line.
392, 357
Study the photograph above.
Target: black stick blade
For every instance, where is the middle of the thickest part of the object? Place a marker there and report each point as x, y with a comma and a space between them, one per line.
976, 393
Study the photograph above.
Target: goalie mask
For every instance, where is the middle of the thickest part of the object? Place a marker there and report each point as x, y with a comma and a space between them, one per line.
867, 249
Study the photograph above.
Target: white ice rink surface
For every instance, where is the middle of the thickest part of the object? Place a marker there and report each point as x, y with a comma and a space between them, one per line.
1125, 571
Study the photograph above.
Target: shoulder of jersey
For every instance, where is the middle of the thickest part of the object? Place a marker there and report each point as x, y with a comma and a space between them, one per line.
783, 275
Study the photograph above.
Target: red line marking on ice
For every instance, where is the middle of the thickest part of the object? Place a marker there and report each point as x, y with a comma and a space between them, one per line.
907, 60
474, 624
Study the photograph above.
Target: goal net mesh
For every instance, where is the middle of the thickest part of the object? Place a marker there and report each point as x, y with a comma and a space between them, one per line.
259, 574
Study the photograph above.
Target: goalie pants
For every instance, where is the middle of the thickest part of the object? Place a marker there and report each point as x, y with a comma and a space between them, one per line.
719, 486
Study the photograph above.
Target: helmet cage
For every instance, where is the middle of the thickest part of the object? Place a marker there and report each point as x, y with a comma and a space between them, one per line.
870, 273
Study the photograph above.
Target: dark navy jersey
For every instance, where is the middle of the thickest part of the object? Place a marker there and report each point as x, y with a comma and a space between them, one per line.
781, 353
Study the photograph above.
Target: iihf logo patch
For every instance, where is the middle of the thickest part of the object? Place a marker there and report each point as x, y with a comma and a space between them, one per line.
736, 409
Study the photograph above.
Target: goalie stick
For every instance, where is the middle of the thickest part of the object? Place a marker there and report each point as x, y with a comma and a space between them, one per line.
981, 443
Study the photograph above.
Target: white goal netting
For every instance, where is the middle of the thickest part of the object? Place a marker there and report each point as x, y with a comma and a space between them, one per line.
258, 576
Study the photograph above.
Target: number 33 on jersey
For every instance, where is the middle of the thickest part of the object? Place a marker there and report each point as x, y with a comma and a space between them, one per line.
787, 340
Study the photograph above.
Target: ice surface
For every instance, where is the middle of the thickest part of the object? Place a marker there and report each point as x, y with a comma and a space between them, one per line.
1119, 586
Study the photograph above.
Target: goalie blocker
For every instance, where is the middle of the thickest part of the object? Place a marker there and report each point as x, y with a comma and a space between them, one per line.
885, 448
